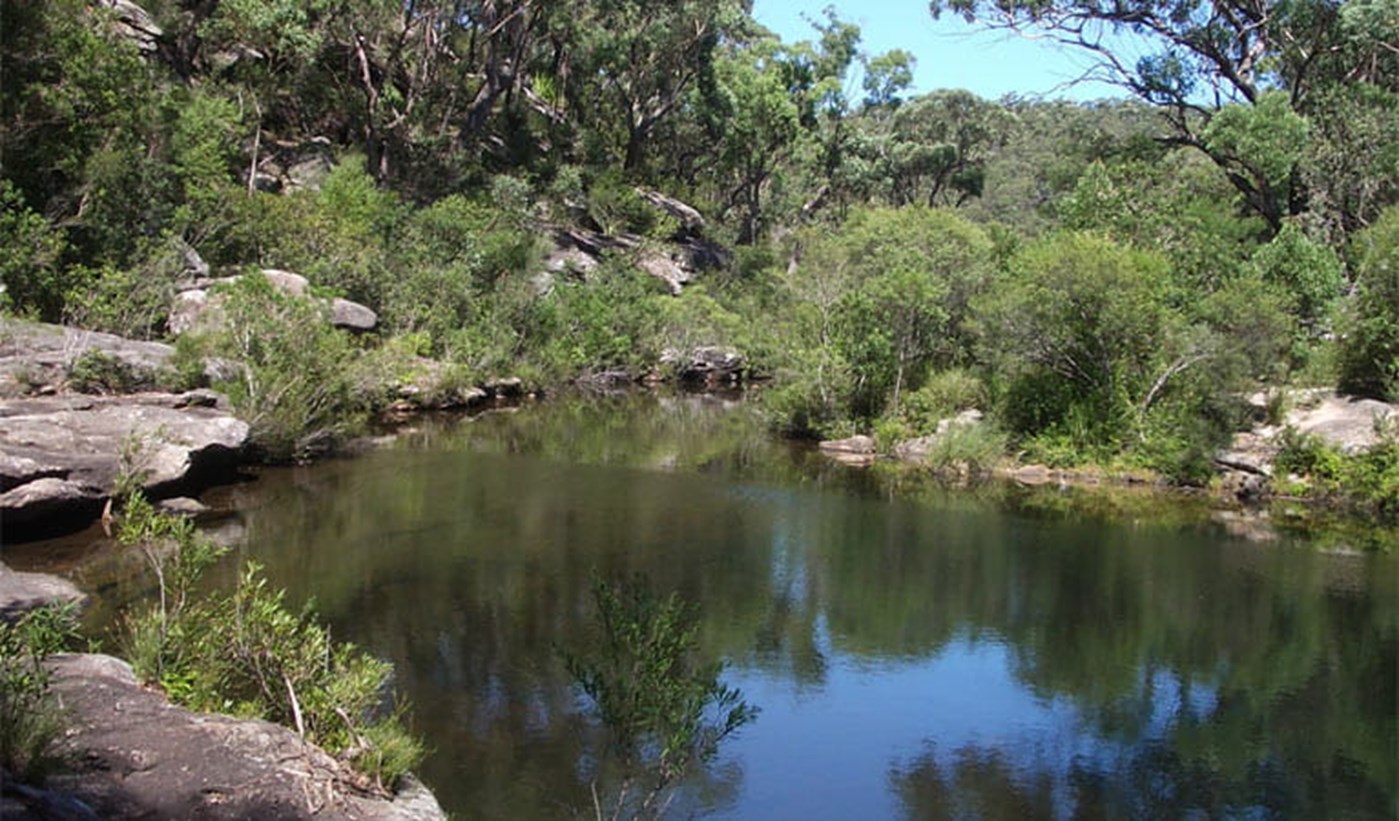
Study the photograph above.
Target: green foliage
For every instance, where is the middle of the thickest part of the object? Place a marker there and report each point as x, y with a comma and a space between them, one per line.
31, 720
132, 301
102, 373
1369, 351
1366, 482
246, 654
1307, 272
665, 711
943, 395
30, 272
617, 208
1268, 137
967, 450
1076, 332
893, 289
293, 370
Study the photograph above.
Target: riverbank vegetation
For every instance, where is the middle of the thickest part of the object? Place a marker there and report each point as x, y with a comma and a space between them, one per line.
559, 192
31, 719
246, 653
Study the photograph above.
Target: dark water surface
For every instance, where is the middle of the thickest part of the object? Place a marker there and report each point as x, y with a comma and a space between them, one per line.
915, 652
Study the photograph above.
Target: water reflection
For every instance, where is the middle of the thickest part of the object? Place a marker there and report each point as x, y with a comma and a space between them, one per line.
915, 652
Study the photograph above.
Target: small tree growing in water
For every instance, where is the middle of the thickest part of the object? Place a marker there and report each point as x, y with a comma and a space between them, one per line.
664, 709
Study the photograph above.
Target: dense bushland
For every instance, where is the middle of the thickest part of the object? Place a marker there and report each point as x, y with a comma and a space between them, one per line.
1104, 280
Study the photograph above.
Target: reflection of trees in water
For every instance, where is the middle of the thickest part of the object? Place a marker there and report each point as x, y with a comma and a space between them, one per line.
971, 783
1149, 780
468, 571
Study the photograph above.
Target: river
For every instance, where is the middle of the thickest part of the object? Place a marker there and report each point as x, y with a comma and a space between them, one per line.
916, 652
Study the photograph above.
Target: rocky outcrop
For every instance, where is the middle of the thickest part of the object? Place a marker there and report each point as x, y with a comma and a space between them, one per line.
134, 23
196, 305
136, 755
710, 366
21, 592
857, 450
39, 358
60, 458
1345, 423
916, 451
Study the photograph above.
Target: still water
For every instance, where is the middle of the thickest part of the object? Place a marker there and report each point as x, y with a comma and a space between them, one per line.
915, 652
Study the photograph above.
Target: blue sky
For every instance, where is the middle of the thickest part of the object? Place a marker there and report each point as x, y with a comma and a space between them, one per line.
950, 53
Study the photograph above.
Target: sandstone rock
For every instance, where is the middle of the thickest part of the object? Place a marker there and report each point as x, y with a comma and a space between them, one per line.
507, 387
189, 309
1033, 475
50, 499
916, 451
59, 459
138, 756
196, 307
668, 269
706, 364
22, 592
352, 316
690, 219
855, 444
1346, 423
33, 352
182, 506
287, 282
856, 450
134, 23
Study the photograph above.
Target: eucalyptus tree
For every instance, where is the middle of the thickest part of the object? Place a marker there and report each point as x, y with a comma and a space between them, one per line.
1262, 64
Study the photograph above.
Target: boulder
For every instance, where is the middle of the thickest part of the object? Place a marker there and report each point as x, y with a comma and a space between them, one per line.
1033, 475
35, 354
61, 458
190, 309
858, 451
1343, 422
709, 365
136, 755
431, 385
916, 450
197, 307
668, 269
134, 23
690, 219
22, 592
505, 387
287, 282
352, 316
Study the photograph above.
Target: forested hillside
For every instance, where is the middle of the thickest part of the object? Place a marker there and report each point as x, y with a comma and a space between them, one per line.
558, 190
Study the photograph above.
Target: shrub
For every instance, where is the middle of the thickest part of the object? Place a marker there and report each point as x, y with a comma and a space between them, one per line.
292, 382
131, 301
1367, 482
97, 372
30, 719
665, 710
967, 449
245, 653
1369, 350
945, 394
31, 277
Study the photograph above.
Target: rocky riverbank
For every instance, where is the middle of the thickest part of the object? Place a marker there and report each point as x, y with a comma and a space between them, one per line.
133, 754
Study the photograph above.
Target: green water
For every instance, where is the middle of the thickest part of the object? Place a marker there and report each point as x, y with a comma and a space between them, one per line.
916, 652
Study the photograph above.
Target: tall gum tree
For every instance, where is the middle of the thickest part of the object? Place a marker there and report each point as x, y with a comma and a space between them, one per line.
1206, 56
